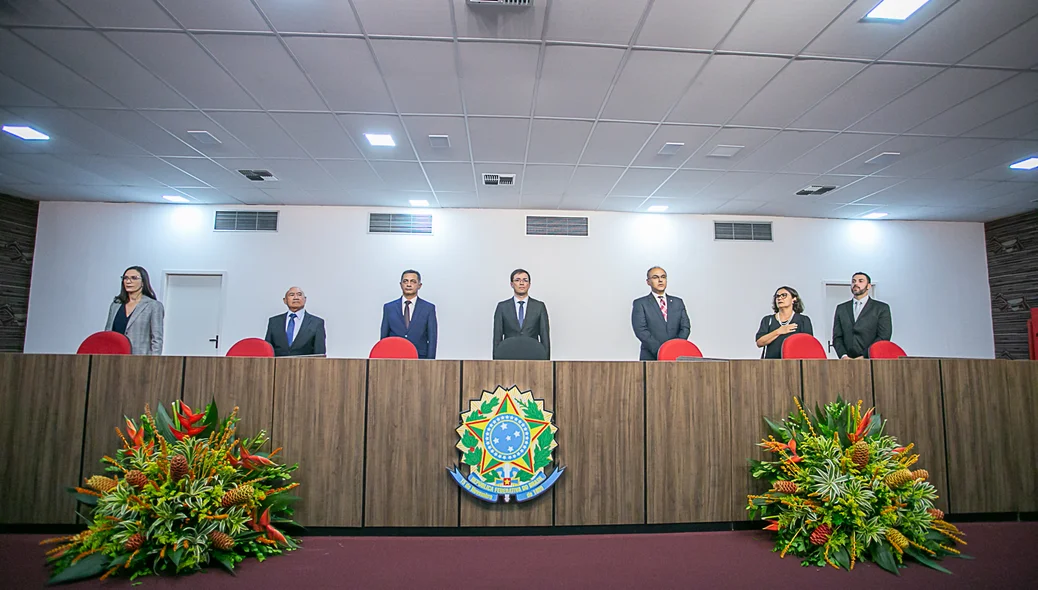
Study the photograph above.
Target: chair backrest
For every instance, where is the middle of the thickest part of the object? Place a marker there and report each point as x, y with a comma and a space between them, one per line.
393, 347
520, 348
251, 347
885, 349
802, 346
672, 349
105, 343
1032, 335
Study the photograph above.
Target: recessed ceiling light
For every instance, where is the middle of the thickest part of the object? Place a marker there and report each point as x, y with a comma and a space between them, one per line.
439, 141
1028, 164
204, 137
657, 209
27, 133
380, 140
874, 215
725, 151
670, 148
175, 199
884, 159
419, 203
895, 9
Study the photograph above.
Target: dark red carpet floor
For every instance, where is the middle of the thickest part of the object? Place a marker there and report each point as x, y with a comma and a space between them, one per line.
1006, 557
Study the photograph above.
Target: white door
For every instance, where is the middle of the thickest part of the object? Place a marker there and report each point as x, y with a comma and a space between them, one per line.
193, 308
835, 294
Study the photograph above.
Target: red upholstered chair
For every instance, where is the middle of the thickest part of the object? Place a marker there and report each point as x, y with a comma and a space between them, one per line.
672, 349
885, 349
802, 346
393, 347
105, 343
1032, 335
252, 347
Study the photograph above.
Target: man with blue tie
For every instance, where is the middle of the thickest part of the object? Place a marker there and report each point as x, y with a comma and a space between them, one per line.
521, 315
410, 317
296, 332
658, 317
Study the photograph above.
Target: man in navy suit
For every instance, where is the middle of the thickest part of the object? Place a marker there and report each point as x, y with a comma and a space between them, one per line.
658, 317
410, 317
296, 332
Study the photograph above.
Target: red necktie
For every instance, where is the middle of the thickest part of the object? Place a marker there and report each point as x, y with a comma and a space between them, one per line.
663, 307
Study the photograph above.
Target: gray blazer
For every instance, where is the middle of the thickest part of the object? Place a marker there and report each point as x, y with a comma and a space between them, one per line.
650, 327
143, 327
535, 323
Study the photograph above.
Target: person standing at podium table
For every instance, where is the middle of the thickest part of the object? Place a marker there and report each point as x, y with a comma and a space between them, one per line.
521, 315
410, 317
658, 317
788, 319
296, 332
860, 322
137, 314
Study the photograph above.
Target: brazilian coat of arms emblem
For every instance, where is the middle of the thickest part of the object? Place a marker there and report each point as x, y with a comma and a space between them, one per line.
506, 440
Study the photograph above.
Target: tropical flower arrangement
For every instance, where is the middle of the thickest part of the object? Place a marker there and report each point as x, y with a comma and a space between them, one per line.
178, 496
842, 492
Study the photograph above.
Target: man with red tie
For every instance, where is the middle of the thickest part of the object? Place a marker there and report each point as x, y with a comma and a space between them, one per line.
410, 317
658, 317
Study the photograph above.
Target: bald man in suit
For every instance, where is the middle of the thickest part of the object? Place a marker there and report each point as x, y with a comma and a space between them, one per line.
658, 317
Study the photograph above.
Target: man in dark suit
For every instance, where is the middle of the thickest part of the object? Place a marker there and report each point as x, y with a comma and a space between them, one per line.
296, 332
521, 315
410, 317
860, 322
658, 317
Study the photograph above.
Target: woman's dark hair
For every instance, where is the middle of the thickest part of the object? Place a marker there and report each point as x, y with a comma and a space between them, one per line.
124, 297
798, 304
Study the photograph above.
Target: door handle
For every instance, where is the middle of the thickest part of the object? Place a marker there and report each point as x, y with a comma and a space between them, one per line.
830, 346
215, 341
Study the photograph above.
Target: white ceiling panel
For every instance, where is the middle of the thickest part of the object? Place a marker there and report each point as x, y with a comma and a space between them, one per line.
557, 142
906, 145
14, 173
488, 90
162, 171
750, 138
574, 80
589, 20
1004, 173
593, 181
962, 29
307, 174
406, 17
933, 96
1016, 124
225, 15
795, 90
692, 137
545, 180
492, 23
60, 171
1000, 156
852, 188
344, 198
616, 143
210, 196
180, 122
782, 149
136, 129
203, 82
319, 133
540, 201
688, 183
623, 204
323, 58
780, 187
421, 75
213, 174
451, 176
62, 125
697, 205
574, 202
650, 83
946, 153
457, 200
933, 193
791, 208
694, 24
866, 92
353, 174
421, 128
38, 12
122, 13
249, 196
835, 151
32, 68
252, 60
1017, 48
740, 77
497, 194
498, 140
785, 26
358, 125
995, 102
320, 16
738, 208
640, 182
259, 133
733, 184
850, 37
17, 94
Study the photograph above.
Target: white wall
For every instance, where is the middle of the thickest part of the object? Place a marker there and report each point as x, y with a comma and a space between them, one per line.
934, 275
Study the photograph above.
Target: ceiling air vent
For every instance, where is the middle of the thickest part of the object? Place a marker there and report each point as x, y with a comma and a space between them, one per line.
744, 232
501, 2
246, 221
498, 179
815, 189
258, 175
399, 223
537, 225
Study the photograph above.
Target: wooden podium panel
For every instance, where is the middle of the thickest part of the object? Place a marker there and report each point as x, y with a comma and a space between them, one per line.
825, 380
319, 420
477, 376
120, 385
908, 397
244, 382
688, 455
1022, 432
42, 398
759, 389
600, 412
412, 414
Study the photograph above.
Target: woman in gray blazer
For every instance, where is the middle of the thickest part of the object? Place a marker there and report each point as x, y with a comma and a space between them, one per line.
137, 314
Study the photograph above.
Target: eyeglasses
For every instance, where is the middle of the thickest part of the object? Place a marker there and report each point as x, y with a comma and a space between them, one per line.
517, 280
129, 278
781, 295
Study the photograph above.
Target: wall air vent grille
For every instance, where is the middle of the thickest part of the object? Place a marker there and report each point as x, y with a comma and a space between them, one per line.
246, 221
742, 232
399, 223
537, 225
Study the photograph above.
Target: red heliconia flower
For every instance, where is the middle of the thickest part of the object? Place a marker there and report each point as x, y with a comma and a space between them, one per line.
253, 461
191, 417
262, 524
862, 425
899, 450
793, 451
773, 526
187, 422
190, 431
136, 434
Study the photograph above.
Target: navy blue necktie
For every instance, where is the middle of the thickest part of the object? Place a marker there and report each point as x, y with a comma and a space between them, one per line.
291, 331
522, 316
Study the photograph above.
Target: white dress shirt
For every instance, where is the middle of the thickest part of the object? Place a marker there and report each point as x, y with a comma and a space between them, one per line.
299, 322
526, 305
857, 305
403, 304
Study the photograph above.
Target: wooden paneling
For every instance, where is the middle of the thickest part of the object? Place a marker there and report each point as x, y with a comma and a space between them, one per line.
121, 386
42, 399
1012, 245
1022, 393
759, 388
600, 412
412, 414
908, 397
244, 382
319, 421
688, 455
824, 381
477, 376
17, 242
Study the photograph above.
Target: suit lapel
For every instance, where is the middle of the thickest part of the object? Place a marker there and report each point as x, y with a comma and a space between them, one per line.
865, 310
301, 334
134, 314
655, 302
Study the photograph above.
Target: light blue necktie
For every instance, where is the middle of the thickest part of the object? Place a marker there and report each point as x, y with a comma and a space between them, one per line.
291, 331
522, 316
